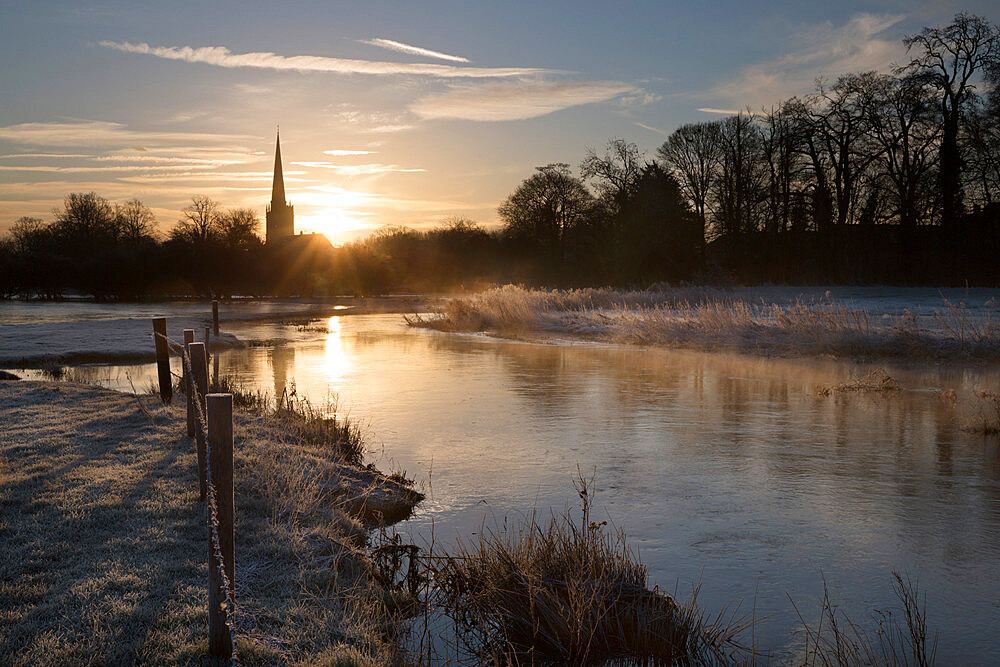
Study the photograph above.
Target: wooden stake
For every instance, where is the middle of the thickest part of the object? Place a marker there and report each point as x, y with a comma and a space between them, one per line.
188, 339
215, 316
220, 437
199, 367
162, 358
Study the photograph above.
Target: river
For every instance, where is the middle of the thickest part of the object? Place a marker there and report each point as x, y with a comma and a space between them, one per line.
728, 470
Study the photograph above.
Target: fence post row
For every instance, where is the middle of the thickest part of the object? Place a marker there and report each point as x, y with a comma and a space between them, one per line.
162, 358
199, 372
214, 412
220, 438
188, 339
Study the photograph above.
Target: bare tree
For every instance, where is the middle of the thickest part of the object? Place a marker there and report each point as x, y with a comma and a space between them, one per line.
839, 118
691, 153
199, 221
135, 220
617, 171
781, 144
950, 58
903, 122
739, 186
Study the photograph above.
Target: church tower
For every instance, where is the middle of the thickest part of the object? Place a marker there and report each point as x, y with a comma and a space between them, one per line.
280, 213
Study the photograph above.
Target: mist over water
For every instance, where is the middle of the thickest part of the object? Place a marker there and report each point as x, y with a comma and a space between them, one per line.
724, 469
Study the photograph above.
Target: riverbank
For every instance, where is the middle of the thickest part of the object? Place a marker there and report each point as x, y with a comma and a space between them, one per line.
767, 321
104, 539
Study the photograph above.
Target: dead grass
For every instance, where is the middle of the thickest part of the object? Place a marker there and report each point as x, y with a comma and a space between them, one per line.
702, 318
894, 637
986, 419
299, 417
876, 381
105, 546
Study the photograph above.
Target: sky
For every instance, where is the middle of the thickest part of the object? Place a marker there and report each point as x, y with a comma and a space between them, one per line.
391, 113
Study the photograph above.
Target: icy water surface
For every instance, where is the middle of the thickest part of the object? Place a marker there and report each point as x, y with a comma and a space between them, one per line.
724, 469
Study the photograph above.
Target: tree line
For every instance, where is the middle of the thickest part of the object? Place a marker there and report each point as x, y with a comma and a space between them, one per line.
873, 177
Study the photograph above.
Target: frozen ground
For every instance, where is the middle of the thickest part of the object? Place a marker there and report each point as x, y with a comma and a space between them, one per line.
94, 340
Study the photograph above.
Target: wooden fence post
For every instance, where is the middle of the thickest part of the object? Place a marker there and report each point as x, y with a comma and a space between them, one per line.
162, 358
188, 339
220, 437
199, 367
215, 316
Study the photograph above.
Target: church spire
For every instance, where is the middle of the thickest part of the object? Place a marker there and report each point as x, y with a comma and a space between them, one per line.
278, 185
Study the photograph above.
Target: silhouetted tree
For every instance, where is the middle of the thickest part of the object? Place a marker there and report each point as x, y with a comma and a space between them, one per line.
547, 209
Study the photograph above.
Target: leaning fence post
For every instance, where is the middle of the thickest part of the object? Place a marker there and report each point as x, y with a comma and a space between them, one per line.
199, 369
220, 438
215, 316
162, 358
188, 339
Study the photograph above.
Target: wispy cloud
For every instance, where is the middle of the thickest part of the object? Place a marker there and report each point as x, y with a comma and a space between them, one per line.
651, 128
822, 50
110, 134
393, 45
43, 155
340, 152
515, 100
358, 169
220, 56
728, 112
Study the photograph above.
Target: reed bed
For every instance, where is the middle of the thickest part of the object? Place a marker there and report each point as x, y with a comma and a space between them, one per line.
705, 318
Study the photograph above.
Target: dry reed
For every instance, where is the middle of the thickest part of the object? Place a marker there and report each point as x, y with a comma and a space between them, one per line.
703, 318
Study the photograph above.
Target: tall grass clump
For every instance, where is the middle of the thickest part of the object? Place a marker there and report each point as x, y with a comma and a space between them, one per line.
571, 592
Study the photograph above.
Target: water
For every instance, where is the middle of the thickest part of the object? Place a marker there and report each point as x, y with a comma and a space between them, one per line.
724, 469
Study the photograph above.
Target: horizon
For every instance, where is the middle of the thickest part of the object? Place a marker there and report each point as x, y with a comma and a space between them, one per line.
396, 117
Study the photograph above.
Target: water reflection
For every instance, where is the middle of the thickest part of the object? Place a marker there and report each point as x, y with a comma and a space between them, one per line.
336, 362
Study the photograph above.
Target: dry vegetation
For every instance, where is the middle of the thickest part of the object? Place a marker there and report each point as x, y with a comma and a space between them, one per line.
572, 592
705, 318
876, 381
105, 546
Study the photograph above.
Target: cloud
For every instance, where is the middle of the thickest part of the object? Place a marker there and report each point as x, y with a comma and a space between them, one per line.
106, 133
340, 152
651, 128
728, 112
821, 50
415, 50
220, 56
358, 169
43, 155
515, 100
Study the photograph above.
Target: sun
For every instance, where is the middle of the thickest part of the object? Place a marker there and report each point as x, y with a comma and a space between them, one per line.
333, 212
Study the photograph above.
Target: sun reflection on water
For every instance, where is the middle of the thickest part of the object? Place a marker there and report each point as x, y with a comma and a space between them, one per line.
336, 363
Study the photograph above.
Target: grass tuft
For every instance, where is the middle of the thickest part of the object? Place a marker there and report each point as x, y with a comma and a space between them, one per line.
571, 592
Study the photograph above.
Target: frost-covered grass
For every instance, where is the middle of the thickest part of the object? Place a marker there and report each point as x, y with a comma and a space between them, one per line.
707, 319
104, 539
